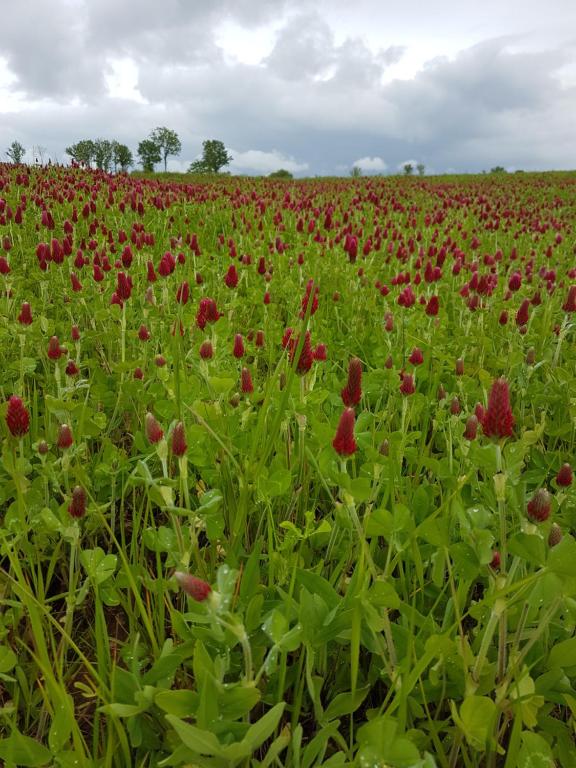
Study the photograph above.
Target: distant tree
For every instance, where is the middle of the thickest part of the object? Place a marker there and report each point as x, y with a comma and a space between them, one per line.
121, 156
167, 142
214, 157
282, 173
408, 169
355, 172
16, 152
421, 168
103, 153
149, 154
498, 169
83, 152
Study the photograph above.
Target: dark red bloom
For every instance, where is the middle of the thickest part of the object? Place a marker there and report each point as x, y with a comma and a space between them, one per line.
319, 353
407, 385
138, 373
352, 392
416, 358
154, 431
570, 303
143, 333
246, 384
65, 438
77, 507
72, 369
55, 351
206, 350
198, 589
471, 428
538, 509
564, 476
17, 417
123, 285
238, 349
459, 367
433, 306
25, 316
306, 357
495, 562
498, 420
310, 289
75, 333
455, 406
231, 278
179, 446
344, 442
522, 314
183, 292
259, 339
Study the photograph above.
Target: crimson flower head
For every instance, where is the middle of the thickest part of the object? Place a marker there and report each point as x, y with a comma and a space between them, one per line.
72, 369
306, 357
433, 306
198, 589
143, 333
25, 316
154, 431
259, 339
498, 420
344, 442
77, 507
55, 351
17, 417
522, 314
352, 392
407, 385
313, 290
123, 285
179, 446
75, 333
538, 509
65, 438
471, 428
416, 358
206, 350
564, 476
183, 292
320, 353
246, 384
238, 350
231, 278
570, 303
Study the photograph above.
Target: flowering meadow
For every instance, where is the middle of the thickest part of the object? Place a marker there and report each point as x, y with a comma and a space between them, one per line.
286, 471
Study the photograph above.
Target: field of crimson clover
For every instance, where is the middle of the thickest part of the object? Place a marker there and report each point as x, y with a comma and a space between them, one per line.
286, 471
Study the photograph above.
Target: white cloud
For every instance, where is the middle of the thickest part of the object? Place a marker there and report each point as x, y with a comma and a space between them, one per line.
370, 164
257, 161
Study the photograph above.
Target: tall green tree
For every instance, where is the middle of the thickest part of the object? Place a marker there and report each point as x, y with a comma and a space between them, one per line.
83, 152
16, 152
103, 153
214, 157
408, 169
121, 156
149, 154
421, 168
167, 142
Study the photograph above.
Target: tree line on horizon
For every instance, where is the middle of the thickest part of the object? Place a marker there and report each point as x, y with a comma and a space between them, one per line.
111, 155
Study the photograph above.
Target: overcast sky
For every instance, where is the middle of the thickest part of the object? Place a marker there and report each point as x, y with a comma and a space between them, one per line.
313, 87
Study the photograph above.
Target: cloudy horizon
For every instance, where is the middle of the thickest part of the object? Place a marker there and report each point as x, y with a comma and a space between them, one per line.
314, 88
